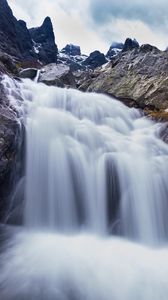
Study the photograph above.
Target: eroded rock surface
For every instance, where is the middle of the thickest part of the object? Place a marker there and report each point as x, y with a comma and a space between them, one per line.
11, 142
139, 75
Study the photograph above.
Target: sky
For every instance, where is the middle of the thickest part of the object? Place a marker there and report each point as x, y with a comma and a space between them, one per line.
95, 24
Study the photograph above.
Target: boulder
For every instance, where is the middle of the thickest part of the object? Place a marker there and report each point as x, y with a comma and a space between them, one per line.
28, 73
57, 74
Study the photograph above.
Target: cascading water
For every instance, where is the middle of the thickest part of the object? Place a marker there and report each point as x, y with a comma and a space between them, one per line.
94, 163
95, 169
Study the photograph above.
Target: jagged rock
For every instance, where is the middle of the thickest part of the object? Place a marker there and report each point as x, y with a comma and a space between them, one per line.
28, 73
74, 62
147, 48
16, 39
115, 48
135, 76
59, 75
8, 64
14, 35
130, 45
44, 40
95, 59
11, 139
71, 49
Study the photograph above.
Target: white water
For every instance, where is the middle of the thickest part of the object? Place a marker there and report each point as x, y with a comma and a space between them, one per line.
82, 267
94, 168
94, 164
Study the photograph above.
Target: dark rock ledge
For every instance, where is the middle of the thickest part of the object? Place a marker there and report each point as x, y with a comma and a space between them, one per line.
11, 147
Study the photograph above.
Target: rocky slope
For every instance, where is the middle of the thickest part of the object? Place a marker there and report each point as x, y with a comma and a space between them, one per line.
139, 75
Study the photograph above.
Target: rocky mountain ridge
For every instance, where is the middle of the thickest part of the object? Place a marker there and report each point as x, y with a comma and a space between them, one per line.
28, 47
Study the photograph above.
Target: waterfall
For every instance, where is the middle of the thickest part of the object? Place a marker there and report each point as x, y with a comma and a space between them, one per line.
96, 202
93, 164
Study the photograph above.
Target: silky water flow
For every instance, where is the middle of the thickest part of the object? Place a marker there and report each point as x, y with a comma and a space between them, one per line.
96, 201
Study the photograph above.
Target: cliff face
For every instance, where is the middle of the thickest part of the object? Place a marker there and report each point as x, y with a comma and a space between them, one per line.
15, 38
11, 143
140, 75
44, 42
18, 41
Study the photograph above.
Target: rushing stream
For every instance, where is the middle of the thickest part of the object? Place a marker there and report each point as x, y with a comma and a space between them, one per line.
96, 207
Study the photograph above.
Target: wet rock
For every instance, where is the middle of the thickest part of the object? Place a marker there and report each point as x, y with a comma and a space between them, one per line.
11, 140
58, 75
28, 73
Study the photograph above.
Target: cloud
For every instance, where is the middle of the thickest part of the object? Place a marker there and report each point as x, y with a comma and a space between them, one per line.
151, 12
95, 24
147, 21
70, 21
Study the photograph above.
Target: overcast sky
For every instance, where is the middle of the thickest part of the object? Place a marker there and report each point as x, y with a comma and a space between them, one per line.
95, 24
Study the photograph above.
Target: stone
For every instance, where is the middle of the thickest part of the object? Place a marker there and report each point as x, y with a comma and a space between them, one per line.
28, 73
139, 76
58, 75
11, 142
8, 64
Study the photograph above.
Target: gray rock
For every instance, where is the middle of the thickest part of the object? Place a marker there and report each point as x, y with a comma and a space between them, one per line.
59, 75
95, 59
28, 73
11, 141
8, 64
139, 75
28, 46
130, 45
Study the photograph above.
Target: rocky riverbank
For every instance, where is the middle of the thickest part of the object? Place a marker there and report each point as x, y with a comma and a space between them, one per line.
11, 142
